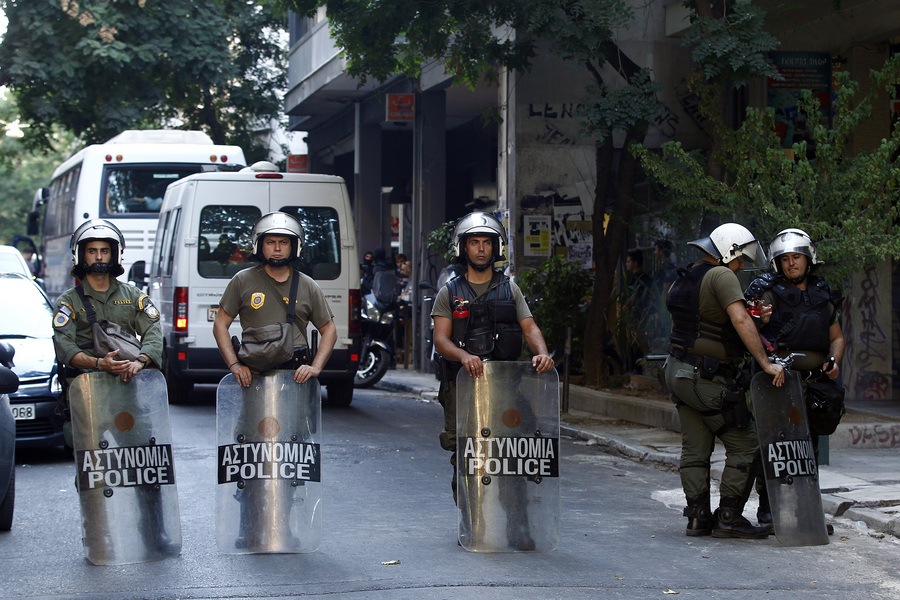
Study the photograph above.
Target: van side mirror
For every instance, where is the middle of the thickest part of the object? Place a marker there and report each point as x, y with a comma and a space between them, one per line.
33, 225
137, 274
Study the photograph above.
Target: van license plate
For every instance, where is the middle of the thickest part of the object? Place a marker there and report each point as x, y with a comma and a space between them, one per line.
211, 313
23, 412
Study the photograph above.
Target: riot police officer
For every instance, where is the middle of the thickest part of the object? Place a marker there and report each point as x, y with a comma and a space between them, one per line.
801, 315
711, 332
277, 242
97, 247
479, 315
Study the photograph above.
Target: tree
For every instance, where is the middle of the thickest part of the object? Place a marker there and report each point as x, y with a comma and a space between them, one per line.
848, 203
380, 39
96, 67
32, 170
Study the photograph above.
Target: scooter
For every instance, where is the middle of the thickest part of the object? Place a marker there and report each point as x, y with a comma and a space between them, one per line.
380, 313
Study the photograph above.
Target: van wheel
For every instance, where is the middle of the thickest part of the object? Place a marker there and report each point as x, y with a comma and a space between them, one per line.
6, 507
340, 393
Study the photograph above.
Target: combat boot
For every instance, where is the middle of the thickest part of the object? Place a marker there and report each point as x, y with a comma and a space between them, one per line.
700, 519
730, 523
764, 512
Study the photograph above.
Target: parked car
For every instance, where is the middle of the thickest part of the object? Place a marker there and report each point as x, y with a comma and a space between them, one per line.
8, 384
12, 261
26, 324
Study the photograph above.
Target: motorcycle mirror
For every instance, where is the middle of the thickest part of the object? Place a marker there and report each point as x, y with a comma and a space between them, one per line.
424, 285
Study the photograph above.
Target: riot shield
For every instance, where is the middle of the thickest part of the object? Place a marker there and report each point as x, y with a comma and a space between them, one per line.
269, 492
508, 459
789, 461
124, 469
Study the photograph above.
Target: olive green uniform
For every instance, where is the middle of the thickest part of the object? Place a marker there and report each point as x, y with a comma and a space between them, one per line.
122, 304
699, 400
250, 295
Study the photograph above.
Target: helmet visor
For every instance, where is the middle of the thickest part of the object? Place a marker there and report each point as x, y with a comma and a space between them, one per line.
753, 254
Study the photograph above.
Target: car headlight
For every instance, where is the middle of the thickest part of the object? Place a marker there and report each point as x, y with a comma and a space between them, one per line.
55, 386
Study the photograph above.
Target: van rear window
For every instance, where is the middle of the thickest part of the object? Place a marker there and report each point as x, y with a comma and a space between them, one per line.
321, 255
224, 245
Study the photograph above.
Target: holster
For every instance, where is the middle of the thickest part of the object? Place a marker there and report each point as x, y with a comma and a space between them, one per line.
735, 411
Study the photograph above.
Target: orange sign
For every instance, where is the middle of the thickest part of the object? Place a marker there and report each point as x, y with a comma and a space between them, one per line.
400, 107
298, 163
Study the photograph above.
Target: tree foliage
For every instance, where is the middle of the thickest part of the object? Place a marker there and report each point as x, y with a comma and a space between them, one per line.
97, 67
31, 170
847, 201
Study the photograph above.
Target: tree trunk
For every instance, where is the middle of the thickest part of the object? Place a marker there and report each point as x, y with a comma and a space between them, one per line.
615, 201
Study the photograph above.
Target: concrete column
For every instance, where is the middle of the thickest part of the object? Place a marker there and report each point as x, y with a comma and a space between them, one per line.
428, 199
373, 229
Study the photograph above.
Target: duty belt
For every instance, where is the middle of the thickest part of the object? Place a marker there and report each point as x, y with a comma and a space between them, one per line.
728, 370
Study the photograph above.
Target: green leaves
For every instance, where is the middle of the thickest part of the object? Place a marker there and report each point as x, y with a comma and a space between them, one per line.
846, 199
98, 67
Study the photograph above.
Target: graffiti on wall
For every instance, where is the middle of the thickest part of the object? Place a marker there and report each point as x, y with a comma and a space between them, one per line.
867, 354
878, 435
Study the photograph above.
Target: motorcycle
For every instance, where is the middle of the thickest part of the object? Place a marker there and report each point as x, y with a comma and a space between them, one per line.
380, 314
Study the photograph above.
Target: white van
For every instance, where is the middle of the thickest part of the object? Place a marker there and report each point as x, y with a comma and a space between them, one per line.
203, 239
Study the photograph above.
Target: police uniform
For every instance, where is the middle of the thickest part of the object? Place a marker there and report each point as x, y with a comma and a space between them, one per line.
702, 374
122, 304
800, 323
495, 318
249, 295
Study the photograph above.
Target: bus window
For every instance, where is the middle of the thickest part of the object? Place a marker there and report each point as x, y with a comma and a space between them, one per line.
139, 189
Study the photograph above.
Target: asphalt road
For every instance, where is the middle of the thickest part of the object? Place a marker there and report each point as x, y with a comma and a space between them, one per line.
387, 498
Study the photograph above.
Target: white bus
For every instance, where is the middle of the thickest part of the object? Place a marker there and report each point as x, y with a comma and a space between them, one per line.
123, 181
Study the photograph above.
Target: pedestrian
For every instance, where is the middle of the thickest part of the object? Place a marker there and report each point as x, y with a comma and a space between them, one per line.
801, 315
28, 255
259, 295
97, 247
666, 272
636, 309
500, 315
711, 334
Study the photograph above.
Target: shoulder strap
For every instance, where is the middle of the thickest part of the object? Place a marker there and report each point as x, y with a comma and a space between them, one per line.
295, 282
88, 307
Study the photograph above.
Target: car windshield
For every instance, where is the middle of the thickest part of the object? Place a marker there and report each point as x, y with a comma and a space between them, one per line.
10, 263
24, 312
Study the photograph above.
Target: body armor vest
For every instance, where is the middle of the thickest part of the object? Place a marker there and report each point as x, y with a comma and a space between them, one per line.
491, 329
683, 302
802, 318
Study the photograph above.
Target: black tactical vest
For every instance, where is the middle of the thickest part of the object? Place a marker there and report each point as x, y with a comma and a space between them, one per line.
802, 318
492, 330
683, 302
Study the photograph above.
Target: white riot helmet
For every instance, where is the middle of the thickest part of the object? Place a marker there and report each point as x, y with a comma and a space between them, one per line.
790, 241
479, 223
730, 241
278, 223
97, 230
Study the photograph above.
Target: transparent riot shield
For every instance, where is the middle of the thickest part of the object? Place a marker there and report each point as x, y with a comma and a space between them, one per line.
508, 459
789, 461
269, 492
125, 473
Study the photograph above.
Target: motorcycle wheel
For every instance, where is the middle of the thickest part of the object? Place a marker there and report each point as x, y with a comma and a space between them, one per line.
373, 369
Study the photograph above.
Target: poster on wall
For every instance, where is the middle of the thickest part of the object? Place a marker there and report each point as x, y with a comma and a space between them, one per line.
799, 71
537, 235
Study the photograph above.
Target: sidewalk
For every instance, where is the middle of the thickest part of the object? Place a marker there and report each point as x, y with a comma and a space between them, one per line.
861, 484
